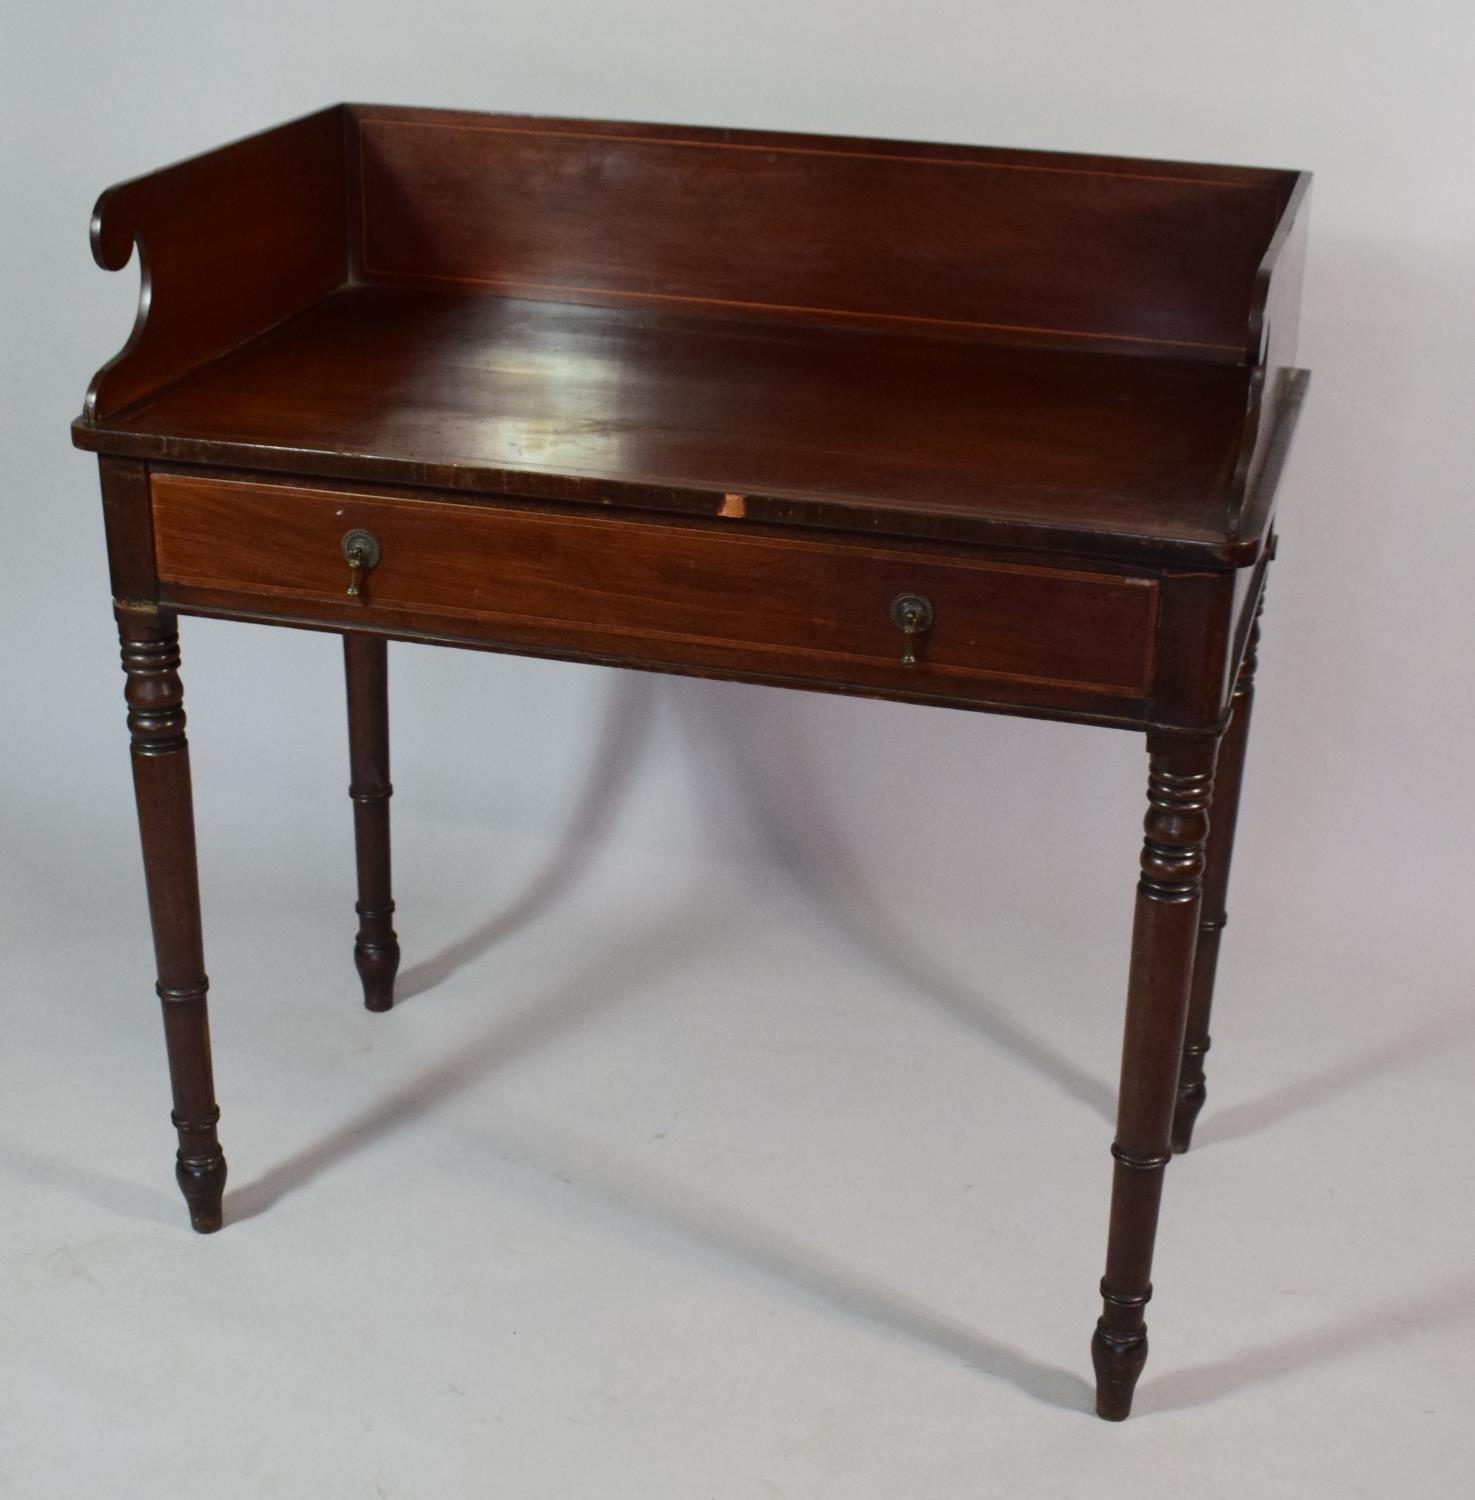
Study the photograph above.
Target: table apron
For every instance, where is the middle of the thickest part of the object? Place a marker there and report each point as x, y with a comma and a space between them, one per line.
720, 599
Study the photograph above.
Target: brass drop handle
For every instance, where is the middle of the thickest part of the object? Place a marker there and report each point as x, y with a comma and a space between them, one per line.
361, 552
912, 615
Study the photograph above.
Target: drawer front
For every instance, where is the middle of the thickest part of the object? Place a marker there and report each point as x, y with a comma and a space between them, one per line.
707, 596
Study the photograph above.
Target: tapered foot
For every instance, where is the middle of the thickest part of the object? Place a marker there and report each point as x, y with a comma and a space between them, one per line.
1185, 1114
202, 1181
377, 963
1118, 1364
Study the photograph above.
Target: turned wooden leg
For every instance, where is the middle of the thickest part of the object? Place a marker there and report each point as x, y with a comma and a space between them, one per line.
1192, 1089
166, 825
1164, 936
376, 949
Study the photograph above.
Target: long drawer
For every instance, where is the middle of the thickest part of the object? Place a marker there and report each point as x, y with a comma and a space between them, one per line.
712, 596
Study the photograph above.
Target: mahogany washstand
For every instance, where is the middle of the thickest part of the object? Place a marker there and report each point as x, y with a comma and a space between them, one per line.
985, 429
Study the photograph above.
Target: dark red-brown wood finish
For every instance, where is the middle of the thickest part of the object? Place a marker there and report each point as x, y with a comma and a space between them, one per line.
989, 429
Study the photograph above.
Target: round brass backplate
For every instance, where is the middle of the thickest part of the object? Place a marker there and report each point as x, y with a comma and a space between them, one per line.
362, 547
911, 613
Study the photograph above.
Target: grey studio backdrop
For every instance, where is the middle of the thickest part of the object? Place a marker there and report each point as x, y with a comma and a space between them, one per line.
744, 1127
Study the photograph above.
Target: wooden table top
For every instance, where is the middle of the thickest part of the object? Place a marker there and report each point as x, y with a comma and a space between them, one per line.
1043, 351
901, 432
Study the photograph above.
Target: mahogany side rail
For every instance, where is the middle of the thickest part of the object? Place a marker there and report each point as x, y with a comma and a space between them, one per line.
986, 429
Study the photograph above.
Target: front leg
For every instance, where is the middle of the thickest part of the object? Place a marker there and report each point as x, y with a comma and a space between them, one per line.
1164, 936
166, 825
